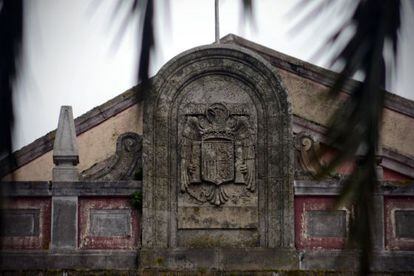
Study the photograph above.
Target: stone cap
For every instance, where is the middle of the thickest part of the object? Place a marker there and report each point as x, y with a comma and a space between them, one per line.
65, 148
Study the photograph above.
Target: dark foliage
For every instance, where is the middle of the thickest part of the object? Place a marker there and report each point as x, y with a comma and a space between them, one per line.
136, 200
147, 41
11, 30
248, 9
145, 11
355, 127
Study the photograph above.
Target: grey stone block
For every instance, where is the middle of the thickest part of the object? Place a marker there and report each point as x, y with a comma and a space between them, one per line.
316, 187
65, 173
25, 189
20, 222
322, 223
219, 259
96, 188
98, 259
258, 259
347, 260
233, 217
64, 223
109, 223
404, 223
402, 261
329, 260
208, 238
76, 188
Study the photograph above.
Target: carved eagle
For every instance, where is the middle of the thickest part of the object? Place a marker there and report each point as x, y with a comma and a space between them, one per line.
216, 149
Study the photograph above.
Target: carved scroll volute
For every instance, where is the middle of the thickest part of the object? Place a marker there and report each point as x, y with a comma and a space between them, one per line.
125, 164
308, 153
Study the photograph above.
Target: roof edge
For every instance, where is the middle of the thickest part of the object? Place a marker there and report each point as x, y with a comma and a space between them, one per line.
316, 73
83, 123
133, 95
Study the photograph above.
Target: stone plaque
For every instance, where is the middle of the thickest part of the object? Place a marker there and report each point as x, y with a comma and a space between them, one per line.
20, 222
64, 212
109, 223
322, 223
217, 153
404, 224
217, 218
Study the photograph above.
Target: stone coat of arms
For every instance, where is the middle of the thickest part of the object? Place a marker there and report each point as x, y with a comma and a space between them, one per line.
217, 151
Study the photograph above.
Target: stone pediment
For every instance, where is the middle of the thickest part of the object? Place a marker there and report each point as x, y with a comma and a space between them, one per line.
397, 156
217, 154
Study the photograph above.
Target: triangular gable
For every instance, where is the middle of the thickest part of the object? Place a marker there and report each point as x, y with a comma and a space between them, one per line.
398, 161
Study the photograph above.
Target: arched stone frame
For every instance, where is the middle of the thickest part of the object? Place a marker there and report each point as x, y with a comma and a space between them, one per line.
274, 144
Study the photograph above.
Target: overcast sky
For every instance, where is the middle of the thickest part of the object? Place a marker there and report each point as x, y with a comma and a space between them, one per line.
72, 56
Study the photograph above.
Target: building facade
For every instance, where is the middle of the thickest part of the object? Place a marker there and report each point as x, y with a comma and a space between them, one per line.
210, 167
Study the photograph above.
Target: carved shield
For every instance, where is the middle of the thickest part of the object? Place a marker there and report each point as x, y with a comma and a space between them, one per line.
217, 161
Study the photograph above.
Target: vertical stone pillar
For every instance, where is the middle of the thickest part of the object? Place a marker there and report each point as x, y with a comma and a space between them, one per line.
65, 208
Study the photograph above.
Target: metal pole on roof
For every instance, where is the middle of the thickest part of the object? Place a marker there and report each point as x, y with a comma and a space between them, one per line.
216, 6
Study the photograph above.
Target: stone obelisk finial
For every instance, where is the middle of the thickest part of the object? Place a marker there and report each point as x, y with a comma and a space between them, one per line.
65, 148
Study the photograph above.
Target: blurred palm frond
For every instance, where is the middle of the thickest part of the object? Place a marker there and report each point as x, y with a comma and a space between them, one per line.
355, 127
11, 32
144, 9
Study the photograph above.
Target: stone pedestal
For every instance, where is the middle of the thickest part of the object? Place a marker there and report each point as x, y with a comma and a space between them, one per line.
65, 208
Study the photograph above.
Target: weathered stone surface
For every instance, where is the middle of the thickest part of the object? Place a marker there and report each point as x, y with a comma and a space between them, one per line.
326, 223
64, 223
26, 223
108, 223
20, 222
218, 152
210, 238
219, 259
65, 172
98, 259
330, 260
347, 260
96, 188
398, 222
317, 225
258, 259
404, 223
228, 217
